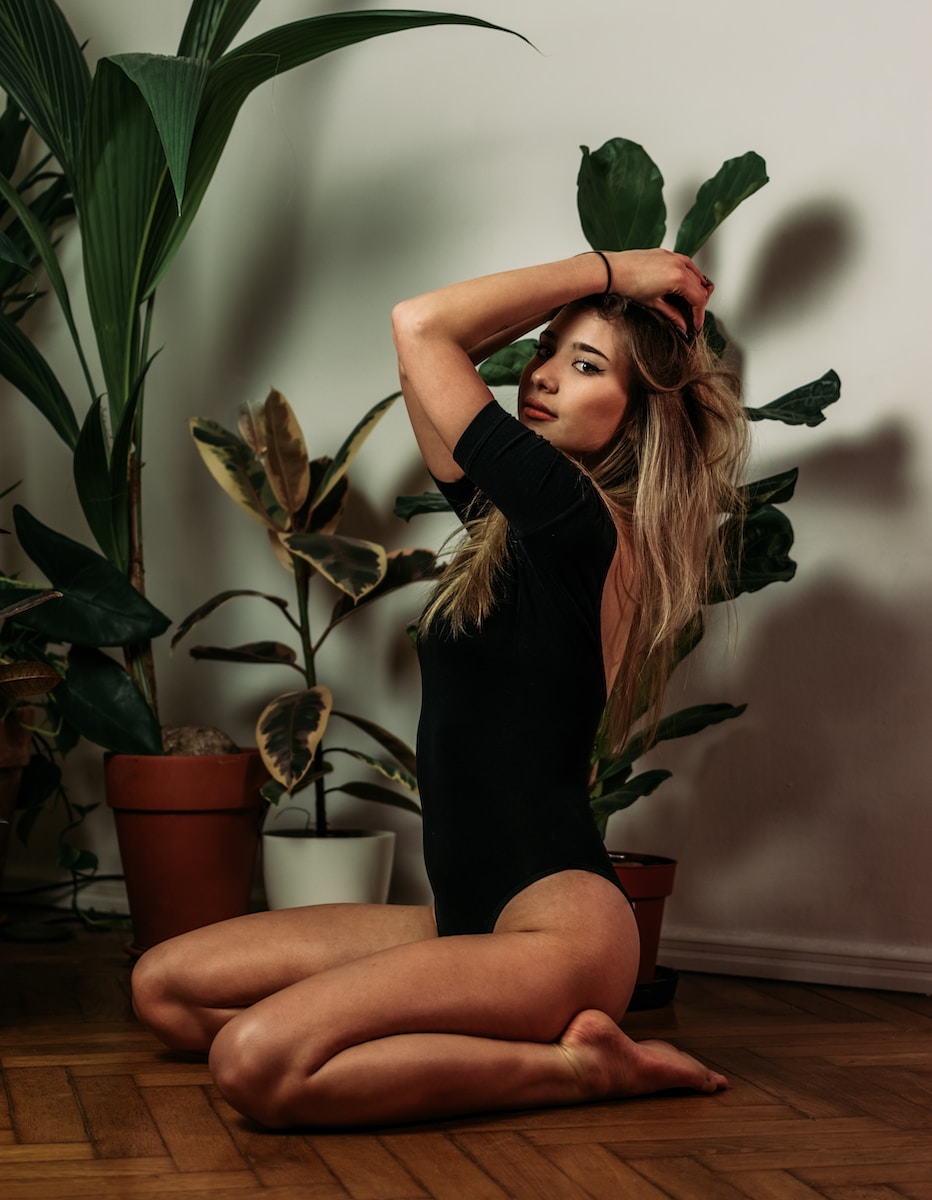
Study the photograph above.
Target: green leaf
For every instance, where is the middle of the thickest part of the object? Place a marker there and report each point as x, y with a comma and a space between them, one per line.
289, 731
92, 481
378, 794
775, 489
11, 253
802, 406
734, 181
212, 25
641, 785
407, 507
350, 448
402, 567
101, 701
215, 602
352, 565
26, 369
272, 791
398, 749
286, 462
172, 88
505, 366
620, 197
679, 724
765, 556
390, 770
43, 70
269, 653
100, 607
238, 471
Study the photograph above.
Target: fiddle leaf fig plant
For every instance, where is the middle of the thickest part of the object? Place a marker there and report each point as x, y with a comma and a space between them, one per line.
621, 207
130, 148
264, 467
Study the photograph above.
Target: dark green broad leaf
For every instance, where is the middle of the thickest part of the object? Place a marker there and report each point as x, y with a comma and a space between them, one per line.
402, 567
274, 653
352, 565
215, 602
20, 680
324, 517
289, 731
679, 724
765, 558
234, 76
212, 25
392, 771
350, 448
641, 785
802, 406
172, 88
75, 858
24, 367
714, 338
734, 181
93, 484
43, 70
398, 749
775, 489
99, 606
380, 795
407, 507
504, 367
101, 701
620, 197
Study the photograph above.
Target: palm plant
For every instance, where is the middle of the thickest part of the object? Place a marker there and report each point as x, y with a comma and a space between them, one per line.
621, 207
132, 148
265, 468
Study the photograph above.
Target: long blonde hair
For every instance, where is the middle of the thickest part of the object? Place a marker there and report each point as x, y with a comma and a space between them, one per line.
669, 479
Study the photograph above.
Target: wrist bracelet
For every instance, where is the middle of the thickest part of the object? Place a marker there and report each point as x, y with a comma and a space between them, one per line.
608, 272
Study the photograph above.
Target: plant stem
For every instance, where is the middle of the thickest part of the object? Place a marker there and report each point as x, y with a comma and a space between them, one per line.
302, 579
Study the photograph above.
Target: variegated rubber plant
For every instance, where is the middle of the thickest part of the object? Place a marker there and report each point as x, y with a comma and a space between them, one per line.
621, 207
130, 148
265, 468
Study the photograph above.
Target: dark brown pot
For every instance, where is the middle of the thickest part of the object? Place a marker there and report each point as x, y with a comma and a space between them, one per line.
15, 745
648, 880
188, 829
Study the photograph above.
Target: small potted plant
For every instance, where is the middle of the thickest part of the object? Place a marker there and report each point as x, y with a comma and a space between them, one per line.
265, 468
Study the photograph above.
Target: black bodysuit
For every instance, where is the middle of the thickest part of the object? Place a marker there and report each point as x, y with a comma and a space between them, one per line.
509, 713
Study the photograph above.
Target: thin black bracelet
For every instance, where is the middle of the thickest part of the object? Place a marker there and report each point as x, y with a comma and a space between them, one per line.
608, 272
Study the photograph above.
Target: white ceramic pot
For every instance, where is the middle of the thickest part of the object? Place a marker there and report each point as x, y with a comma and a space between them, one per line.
350, 865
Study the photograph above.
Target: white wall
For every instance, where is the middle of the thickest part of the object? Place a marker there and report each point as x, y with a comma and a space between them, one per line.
803, 829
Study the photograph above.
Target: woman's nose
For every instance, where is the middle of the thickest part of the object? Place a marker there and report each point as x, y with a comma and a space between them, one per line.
544, 377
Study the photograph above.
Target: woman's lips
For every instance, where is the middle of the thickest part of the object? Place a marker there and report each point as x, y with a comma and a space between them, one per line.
535, 411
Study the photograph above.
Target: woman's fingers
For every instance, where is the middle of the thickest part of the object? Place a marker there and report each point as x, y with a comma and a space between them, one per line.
668, 282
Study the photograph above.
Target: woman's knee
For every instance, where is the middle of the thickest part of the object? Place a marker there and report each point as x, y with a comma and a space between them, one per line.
260, 1077
158, 1003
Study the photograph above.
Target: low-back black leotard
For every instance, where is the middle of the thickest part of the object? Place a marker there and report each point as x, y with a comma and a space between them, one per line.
509, 712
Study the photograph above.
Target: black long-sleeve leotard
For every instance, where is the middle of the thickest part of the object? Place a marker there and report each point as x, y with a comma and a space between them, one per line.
509, 712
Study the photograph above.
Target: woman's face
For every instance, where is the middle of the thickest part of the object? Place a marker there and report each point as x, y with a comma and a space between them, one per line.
574, 391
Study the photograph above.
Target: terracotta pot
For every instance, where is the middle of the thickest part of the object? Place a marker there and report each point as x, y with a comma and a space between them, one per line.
15, 745
349, 866
188, 829
648, 880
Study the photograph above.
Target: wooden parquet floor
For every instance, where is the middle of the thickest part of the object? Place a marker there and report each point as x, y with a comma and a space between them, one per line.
831, 1097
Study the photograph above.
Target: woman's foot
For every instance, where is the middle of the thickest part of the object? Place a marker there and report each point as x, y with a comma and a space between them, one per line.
610, 1065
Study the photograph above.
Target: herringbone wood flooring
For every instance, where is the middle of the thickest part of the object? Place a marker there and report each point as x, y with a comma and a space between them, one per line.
831, 1097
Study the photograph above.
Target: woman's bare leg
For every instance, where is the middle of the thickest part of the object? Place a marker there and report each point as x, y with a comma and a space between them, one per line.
186, 989
514, 1019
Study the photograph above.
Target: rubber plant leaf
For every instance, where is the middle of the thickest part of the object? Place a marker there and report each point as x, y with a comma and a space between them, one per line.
389, 770
210, 606
350, 448
172, 88
326, 516
804, 405
286, 462
619, 195
212, 25
641, 785
20, 680
378, 794
411, 565
352, 565
237, 73
407, 507
238, 471
27, 370
505, 366
289, 731
43, 70
101, 701
276, 653
398, 749
734, 181
99, 606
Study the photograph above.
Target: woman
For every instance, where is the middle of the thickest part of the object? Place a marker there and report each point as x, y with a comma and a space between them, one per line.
591, 523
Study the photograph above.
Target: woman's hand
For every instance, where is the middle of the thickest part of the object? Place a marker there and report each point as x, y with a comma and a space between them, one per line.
670, 283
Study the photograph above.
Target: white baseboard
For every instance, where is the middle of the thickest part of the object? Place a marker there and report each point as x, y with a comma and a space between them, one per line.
892, 971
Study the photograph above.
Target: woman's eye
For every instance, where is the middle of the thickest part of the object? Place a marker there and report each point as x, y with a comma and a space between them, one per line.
543, 351
587, 368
